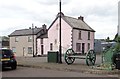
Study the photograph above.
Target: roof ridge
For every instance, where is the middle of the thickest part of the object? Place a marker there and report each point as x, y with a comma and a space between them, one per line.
71, 17
28, 29
21, 29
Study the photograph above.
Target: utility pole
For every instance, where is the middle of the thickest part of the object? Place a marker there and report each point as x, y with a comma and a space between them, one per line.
33, 38
60, 50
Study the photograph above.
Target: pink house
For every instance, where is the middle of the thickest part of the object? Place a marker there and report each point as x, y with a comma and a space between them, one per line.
76, 34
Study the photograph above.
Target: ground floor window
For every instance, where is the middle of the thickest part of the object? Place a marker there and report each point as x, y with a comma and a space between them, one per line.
29, 50
78, 47
14, 49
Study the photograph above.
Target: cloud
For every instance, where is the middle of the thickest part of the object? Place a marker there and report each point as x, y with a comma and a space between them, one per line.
101, 15
52, 2
93, 7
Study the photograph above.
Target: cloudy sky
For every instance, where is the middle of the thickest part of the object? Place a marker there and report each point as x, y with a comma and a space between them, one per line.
101, 15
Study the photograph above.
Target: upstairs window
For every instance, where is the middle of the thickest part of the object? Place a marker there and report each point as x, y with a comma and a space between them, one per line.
57, 26
79, 35
51, 46
88, 35
41, 40
55, 41
29, 38
16, 39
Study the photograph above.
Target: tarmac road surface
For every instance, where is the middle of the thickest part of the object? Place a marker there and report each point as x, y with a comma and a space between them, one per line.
36, 72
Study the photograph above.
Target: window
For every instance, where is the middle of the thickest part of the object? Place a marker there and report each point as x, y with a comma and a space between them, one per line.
88, 46
55, 41
29, 38
14, 49
29, 50
16, 39
56, 26
78, 47
79, 35
41, 40
88, 35
51, 46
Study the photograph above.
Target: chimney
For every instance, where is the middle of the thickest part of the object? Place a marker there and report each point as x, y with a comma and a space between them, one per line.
81, 18
29, 27
44, 26
35, 26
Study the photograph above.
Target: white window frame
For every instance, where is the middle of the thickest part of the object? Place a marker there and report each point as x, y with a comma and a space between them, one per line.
30, 50
14, 49
16, 39
29, 38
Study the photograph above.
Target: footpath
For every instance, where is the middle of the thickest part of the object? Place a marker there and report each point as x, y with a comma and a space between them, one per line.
77, 66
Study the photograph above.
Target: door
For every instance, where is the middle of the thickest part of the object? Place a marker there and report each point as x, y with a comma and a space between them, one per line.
42, 49
23, 51
83, 48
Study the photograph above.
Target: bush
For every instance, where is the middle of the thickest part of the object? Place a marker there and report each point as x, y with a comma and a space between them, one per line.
117, 48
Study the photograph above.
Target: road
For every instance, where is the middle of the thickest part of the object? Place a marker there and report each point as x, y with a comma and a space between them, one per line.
37, 72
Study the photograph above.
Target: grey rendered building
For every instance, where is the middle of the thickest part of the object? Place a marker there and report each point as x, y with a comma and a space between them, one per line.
22, 42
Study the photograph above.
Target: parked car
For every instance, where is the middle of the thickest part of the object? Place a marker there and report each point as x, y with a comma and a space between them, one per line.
7, 58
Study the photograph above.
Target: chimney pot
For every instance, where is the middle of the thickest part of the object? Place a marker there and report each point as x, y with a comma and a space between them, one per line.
81, 18
29, 27
35, 26
44, 26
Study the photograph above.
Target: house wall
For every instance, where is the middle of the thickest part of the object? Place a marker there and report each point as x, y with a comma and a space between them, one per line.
45, 46
53, 37
66, 36
22, 42
69, 38
84, 39
39, 46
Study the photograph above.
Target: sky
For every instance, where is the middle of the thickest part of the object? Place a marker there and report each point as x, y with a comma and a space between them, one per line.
101, 15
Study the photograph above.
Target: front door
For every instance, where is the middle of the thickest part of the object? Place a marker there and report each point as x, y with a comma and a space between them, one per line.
83, 48
23, 51
42, 48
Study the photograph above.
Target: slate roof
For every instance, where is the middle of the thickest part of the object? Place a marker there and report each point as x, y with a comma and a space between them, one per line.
74, 23
77, 23
24, 32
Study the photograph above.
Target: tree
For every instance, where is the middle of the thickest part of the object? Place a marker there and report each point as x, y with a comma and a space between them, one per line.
115, 39
117, 48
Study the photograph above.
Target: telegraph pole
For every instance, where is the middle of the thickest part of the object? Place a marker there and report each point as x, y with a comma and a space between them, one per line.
33, 38
60, 50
